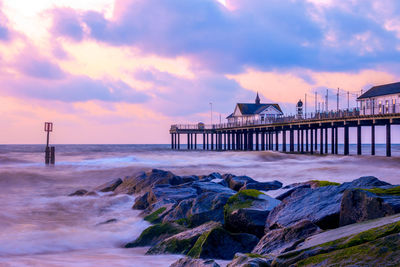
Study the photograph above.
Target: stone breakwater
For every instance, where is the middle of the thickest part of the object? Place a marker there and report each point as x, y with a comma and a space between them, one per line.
262, 223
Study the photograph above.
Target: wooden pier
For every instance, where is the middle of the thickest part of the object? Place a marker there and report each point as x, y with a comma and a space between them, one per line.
265, 135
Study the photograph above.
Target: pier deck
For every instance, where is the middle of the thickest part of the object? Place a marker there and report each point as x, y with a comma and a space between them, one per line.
264, 135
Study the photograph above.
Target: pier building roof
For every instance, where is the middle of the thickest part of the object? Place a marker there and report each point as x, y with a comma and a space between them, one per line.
380, 90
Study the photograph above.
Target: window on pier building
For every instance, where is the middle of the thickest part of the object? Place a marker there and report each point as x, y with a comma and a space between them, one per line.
380, 106
387, 106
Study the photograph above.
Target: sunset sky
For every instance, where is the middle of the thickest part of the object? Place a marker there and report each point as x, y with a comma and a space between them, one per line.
123, 71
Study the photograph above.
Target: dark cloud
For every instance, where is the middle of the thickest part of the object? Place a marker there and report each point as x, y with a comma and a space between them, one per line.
66, 22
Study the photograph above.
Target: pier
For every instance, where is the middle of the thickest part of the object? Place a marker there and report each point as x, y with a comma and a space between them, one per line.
311, 134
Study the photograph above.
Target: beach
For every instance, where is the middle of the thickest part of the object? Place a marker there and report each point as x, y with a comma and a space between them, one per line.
41, 225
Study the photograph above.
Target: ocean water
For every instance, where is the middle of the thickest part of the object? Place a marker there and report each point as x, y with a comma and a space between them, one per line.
41, 226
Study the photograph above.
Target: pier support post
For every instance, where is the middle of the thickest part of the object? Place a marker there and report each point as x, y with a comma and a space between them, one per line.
312, 141
179, 141
373, 139
358, 139
307, 140
257, 142
208, 142
321, 139
251, 137
298, 140
229, 140
271, 140
212, 141
277, 140
302, 141
284, 140
291, 140
188, 141
172, 141
246, 140
346, 140
388, 141
191, 142
316, 139
262, 139
336, 141
195, 141
204, 141
333, 140
225, 148
326, 140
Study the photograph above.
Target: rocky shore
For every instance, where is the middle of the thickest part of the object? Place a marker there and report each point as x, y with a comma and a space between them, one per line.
255, 223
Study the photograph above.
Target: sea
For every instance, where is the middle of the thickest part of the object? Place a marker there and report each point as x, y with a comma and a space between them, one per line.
40, 225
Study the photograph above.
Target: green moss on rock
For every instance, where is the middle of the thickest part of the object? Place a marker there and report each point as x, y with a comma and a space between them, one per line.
320, 183
156, 233
394, 191
154, 217
242, 199
196, 249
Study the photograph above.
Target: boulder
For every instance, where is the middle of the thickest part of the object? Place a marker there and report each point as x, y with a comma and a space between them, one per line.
182, 243
264, 186
155, 234
360, 205
218, 243
80, 192
250, 260
141, 202
321, 205
189, 262
206, 187
170, 194
109, 186
247, 211
285, 239
144, 181
237, 182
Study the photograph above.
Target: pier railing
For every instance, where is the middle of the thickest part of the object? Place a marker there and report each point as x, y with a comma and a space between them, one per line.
281, 119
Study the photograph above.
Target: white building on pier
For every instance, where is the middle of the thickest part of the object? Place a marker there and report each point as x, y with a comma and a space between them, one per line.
382, 99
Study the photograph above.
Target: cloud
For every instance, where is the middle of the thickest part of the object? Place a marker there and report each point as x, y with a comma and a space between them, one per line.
5, 32
262, 34
66, 23
37, 66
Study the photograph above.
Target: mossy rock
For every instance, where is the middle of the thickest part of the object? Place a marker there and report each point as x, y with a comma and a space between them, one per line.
241, 200
358, 244
393, 191
320, 183
156, 233
155, 216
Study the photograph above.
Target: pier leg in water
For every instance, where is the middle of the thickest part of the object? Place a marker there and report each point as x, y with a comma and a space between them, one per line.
333, 140
204, 141
373, 139
336, 141
321, 139
388, 141
307, 140
188, 141
291, 140
262, 140
358, 139
283, 140
172, 141
195, 141
271, 141
346, 140
298, 139
277, 140
208, 143
316, 139
302, 141
212, 141
312, 141
326, 140
257, 144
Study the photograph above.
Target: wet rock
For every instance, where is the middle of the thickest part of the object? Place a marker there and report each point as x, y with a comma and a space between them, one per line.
264, 186
189, 179
320, 205
206, 187
189, 262
182, 243
285, 239
108, 221
144, 181
359, 205
141, 202
247, 212
80, 192
250, 260
109, 186
237, 182
218, 243
220, 182
171, 194
155, 234
287, 191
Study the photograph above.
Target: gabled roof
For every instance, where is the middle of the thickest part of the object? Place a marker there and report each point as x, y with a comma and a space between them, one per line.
251, 109
386, 89
230, 116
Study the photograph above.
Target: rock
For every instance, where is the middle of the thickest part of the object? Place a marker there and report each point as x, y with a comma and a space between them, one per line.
287, 191
219, 181
155, 234
250, 260
378, 246
359, 205
265, 186
321, 205
205, 187
285, 239
189, 179
247, 212
109, 186
170, 194
144, 181
189, 262
182, 243
141, 202
237, 182
80, 192
108, 221
218, 243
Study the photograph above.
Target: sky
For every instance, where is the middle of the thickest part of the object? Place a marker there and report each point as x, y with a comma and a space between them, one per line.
123, 71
